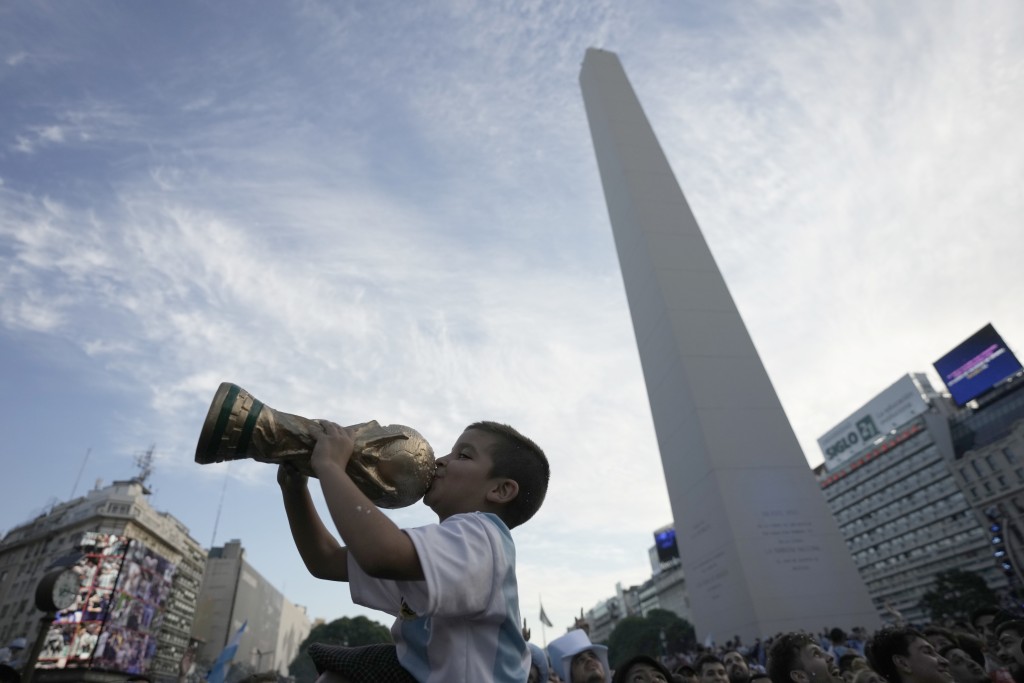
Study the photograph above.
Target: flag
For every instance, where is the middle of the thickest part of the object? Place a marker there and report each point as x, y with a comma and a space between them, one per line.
219, 670
544, 617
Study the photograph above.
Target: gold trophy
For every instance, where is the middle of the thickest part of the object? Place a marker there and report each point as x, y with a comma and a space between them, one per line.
392, 465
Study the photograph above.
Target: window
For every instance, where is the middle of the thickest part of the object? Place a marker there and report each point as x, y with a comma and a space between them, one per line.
1010, 457
991, 463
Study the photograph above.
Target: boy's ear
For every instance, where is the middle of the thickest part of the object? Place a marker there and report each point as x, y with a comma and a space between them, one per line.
504, 492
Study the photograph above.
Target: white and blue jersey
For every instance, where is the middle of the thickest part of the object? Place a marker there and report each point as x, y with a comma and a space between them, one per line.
461, 622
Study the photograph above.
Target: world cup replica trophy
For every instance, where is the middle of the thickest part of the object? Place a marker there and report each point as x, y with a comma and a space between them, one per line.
392, 465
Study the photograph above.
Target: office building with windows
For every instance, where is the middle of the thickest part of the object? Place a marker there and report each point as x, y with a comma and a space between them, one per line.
889, 481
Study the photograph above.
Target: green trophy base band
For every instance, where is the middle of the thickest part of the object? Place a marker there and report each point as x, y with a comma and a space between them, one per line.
222, 437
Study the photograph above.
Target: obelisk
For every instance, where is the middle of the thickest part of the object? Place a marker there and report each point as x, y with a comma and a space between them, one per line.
760, 548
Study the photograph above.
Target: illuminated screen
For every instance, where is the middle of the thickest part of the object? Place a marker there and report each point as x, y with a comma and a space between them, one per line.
665, 542
976, 365
114, 623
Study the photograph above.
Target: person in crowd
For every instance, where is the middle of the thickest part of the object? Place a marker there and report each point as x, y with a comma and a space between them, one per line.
1009, 634
851, 663
710, 669
837, 643
965, 667
798, 658
450, 585
538, 664
939, 637
684, 674
982, 620
576, 660
736, 667
642, 669
904, 655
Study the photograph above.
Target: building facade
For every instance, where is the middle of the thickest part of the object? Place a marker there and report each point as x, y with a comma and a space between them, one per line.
889, 482
120, 509
988, 463
233, 594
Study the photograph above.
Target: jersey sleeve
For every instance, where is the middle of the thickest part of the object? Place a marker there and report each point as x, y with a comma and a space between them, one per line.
461, 559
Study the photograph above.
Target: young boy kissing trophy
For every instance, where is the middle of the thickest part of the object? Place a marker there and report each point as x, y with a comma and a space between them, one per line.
451, 585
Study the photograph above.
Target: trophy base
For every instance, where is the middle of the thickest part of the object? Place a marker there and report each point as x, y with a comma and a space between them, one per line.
229, 425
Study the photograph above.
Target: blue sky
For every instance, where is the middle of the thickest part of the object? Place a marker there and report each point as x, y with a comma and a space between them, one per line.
392, 211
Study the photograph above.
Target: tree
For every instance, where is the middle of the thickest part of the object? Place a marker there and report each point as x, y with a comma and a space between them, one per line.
350, 632
955, 594
660, 632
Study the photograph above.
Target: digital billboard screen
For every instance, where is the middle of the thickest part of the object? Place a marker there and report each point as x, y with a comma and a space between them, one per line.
665, 542
114, 623
976, 365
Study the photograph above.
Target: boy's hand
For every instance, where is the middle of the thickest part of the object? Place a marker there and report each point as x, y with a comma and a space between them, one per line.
290, 479
333, 448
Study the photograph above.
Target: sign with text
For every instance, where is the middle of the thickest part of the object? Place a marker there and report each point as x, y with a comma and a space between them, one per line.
895, 406
977, 365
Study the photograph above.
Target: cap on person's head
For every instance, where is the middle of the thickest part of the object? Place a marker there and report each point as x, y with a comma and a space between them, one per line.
622, 671
18, 644
564, 648
539, 660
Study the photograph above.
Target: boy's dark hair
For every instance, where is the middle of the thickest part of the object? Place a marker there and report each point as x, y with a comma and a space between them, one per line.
517, 458
837, 635
784, 655
888, 643
703, 660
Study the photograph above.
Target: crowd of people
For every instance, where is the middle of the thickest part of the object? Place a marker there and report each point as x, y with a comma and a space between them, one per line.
987, 649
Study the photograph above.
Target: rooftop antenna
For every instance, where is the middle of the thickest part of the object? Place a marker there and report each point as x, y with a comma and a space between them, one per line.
144, 461
74, 489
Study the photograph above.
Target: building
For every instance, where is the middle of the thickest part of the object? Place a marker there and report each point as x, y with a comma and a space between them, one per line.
887, 478
988, 463
760, 551
120, 509
233, 594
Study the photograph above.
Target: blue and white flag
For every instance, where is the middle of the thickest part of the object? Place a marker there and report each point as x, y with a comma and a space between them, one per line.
219, 670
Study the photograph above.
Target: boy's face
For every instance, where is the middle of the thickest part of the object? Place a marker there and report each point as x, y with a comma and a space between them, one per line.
463, 477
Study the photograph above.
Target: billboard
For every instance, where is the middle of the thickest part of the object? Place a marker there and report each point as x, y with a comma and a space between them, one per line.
665, 542
897, 405
976, 365
114, 622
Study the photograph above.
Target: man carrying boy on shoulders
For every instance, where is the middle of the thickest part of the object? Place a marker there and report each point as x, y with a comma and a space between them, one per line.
451, 585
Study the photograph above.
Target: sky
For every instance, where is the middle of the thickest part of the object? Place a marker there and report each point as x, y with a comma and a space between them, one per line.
392, 211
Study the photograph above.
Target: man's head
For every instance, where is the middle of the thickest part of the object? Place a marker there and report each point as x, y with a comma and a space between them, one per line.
642, 669
710, 669
981, 620
939, 637
1009, 635
797, 658
904, 655
964, 667
687, 673
586, 667
577, 660
736, 667
492, 468
851, 663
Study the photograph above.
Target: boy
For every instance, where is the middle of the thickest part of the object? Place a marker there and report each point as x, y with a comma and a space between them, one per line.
452, 585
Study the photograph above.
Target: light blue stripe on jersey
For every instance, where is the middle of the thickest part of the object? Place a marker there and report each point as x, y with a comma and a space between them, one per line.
415, 636
511, 647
